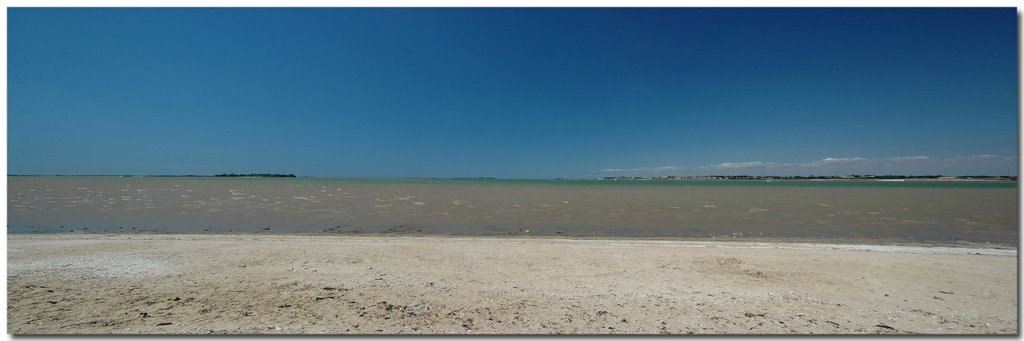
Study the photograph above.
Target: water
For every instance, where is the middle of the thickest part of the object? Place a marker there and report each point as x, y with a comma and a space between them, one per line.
904, 211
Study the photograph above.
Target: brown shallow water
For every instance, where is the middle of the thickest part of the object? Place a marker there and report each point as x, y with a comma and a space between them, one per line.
739, 209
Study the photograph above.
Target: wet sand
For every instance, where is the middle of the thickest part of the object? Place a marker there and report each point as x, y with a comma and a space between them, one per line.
249, 284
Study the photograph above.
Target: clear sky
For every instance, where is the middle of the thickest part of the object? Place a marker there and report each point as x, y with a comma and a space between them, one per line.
512, 93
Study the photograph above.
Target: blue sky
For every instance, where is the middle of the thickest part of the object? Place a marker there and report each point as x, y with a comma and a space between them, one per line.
513, 93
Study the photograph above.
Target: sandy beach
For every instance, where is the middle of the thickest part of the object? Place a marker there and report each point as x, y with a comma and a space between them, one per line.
278, 284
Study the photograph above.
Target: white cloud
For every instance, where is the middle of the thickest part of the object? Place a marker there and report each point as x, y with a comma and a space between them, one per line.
981, 157
621, 170
640, 169
908, 158
918, 164
735, 165
832, 161
842, 159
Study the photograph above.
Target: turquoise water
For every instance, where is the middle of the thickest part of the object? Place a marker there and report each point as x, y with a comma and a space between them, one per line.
908, 210
785, 183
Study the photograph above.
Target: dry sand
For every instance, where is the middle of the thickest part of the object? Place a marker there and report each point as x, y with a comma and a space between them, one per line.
247, 284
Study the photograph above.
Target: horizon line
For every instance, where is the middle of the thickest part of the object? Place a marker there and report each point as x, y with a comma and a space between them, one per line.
653, 177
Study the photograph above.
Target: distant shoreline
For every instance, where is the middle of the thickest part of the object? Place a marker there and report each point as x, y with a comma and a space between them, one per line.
825, 177
167, 176
895, 178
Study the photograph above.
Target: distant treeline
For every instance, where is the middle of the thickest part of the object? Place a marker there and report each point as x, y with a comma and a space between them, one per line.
168, 175
256, 175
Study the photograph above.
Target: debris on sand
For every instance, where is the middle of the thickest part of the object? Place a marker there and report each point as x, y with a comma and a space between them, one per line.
419, 309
